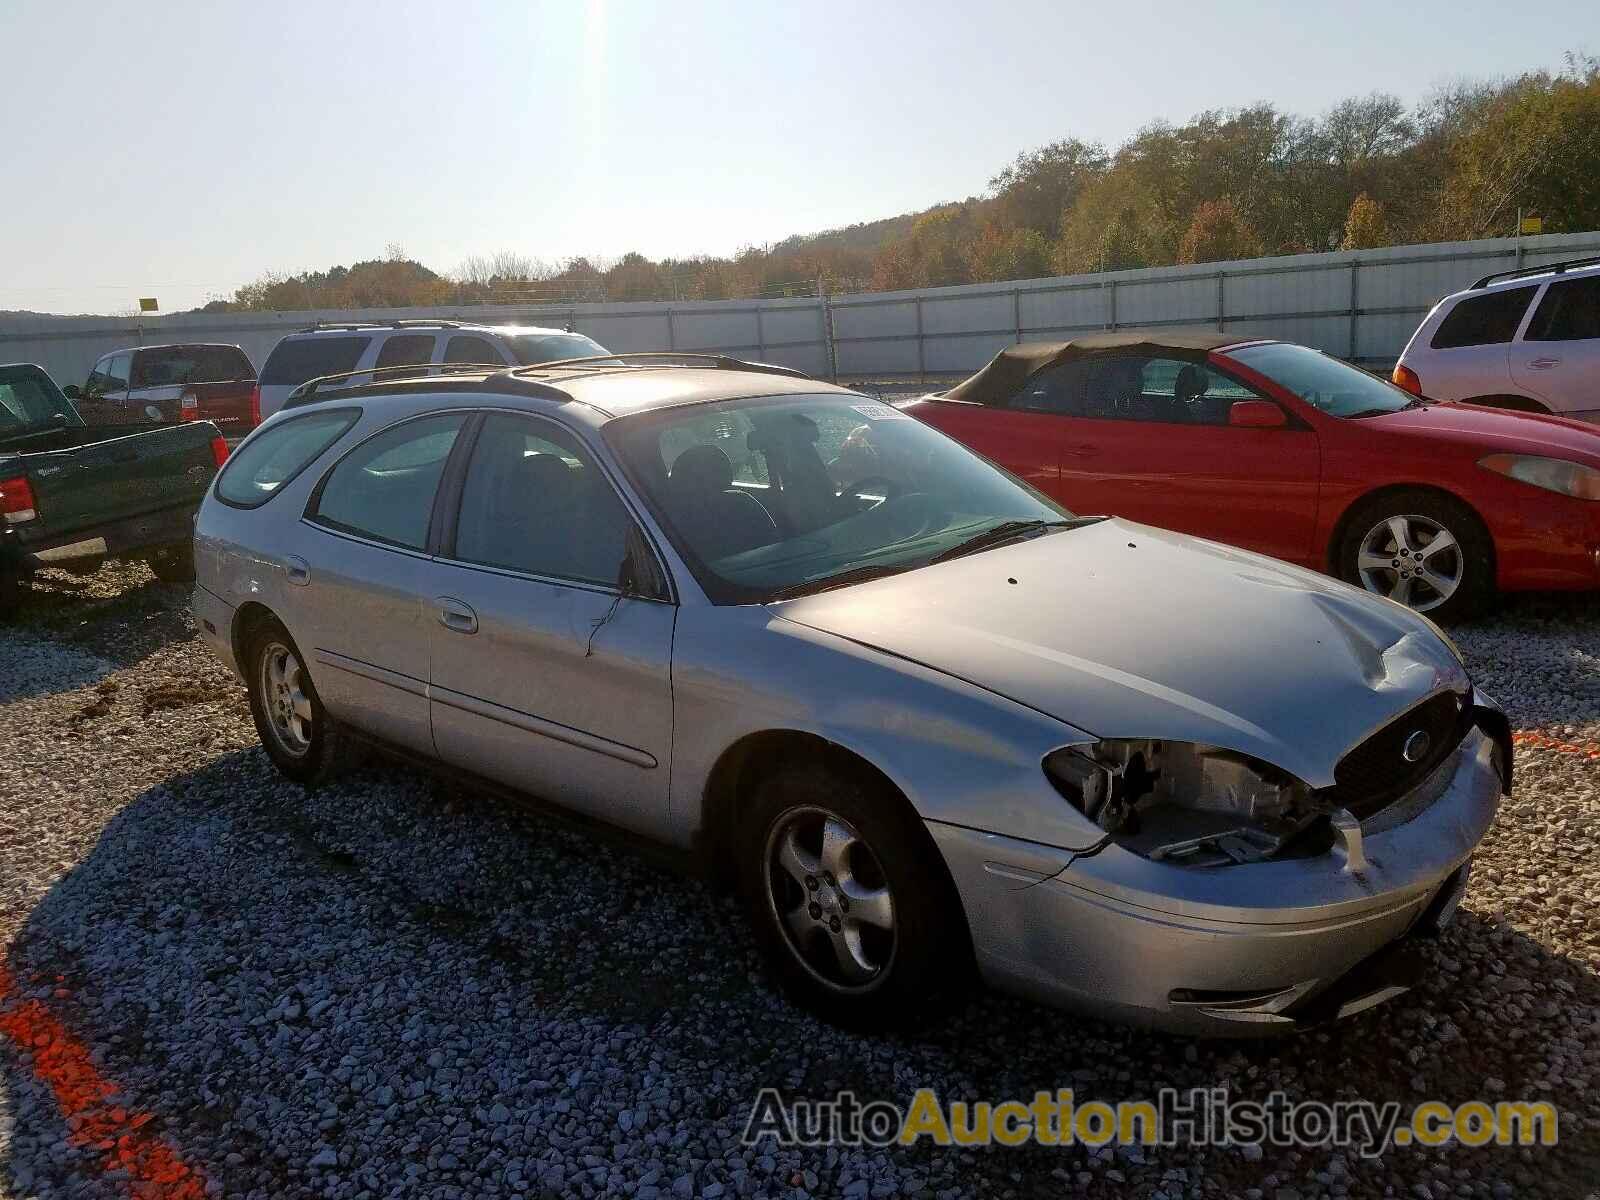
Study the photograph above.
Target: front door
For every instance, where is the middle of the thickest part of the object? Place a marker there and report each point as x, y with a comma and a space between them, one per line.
1148, 438
545, 676
1558, 357
362, 579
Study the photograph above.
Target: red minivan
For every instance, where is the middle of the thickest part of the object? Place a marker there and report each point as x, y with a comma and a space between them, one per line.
180, 382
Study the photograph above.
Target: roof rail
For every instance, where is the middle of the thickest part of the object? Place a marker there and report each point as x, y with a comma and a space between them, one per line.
1555, 268
663, 358
306, 393
409, 323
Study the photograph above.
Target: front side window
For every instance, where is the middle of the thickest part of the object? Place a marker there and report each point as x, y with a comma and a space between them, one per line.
1487, 320
1324, 382
768, 497
463, 349
1134, 388
384, 488
406, 350
1569, 312
118, 368
295, 360
531, 348
534, 501
258, 470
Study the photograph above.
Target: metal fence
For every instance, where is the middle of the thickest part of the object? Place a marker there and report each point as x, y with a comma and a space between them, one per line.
1360, 305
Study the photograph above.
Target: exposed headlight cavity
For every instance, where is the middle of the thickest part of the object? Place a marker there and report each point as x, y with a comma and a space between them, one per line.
1186, 803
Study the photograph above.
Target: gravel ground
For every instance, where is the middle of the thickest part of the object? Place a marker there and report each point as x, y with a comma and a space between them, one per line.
392, 988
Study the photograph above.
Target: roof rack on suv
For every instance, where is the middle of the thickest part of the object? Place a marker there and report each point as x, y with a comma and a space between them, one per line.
307, 391
410, 323
662, 358
1555, 268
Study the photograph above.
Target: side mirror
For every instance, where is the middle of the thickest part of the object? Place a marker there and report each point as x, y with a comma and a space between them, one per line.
1256, 414
72, 392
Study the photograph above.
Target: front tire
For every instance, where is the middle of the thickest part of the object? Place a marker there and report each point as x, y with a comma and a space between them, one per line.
1423, 549
300, 737
849, 898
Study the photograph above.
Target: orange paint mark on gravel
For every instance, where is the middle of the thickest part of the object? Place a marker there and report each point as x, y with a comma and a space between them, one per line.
1543, 741
152, 1169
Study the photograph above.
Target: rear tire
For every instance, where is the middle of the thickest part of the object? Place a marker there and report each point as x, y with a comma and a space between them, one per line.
174, 564
849, 898
1422, 548
300, 737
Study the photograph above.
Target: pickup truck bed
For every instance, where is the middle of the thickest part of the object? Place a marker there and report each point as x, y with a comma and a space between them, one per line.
73, 495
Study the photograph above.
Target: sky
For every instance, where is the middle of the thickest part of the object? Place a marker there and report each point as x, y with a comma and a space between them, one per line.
179, 149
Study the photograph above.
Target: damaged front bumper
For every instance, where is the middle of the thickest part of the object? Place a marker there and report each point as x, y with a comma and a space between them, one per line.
1230, 951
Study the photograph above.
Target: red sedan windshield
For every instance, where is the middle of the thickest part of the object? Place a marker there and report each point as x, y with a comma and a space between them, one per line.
1322, 381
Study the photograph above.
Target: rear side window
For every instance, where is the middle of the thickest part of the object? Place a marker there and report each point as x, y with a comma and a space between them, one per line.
295, 360
1486, 320
257, 471
406, 350
161, 366
471, 350
1569, 312
384, 488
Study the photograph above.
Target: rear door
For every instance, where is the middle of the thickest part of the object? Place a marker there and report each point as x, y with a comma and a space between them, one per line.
1557, 359
1467, 356
544, 675
1148, 438
361, 574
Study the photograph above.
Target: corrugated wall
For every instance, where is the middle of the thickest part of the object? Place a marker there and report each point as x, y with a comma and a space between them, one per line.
1361, 305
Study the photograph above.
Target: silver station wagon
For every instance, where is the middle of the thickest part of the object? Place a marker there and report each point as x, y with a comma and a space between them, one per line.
926, 720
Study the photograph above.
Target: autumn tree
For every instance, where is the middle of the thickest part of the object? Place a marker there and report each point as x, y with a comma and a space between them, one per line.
1364, 227
1218, 233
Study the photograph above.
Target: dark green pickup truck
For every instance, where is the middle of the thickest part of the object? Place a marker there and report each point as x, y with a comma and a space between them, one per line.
73, 495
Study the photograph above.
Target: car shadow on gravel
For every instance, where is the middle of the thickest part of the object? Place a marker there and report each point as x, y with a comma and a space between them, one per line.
121, 613
391, 984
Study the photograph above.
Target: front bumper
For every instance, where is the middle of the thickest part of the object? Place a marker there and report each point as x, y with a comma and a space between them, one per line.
1241, 950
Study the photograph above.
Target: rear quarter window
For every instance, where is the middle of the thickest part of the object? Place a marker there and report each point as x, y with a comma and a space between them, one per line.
295, 360
259, 469
1486, 320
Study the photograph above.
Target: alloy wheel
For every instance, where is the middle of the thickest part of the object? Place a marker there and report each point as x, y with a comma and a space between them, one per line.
828, 892
1411, 559
284, 697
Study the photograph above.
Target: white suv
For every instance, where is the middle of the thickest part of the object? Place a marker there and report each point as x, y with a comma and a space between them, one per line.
334, 348
1526, 340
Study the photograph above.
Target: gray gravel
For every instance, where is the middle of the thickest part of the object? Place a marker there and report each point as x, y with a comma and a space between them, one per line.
391, 988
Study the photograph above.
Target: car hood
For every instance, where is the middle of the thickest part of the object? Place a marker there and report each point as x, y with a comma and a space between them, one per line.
1122, 630
1495, 429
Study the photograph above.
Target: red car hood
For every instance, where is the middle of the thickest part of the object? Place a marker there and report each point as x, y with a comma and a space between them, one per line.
1497, 429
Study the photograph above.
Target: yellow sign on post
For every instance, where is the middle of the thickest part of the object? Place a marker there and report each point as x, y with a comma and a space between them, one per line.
148, 304
1532, 225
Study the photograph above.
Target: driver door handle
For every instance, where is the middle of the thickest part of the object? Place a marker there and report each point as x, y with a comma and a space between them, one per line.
1544, 364
456, 616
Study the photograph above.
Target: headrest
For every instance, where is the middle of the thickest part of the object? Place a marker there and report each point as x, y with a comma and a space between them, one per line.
1191, 383
702, 469
548, 478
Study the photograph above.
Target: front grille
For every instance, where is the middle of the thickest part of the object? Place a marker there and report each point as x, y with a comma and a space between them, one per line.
1376, 773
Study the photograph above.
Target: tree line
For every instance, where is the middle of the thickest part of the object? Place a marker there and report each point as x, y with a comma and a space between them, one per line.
1227, 184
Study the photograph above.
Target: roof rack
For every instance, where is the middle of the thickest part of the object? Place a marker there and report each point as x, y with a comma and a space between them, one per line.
662, 358
410, 323
307, 391
1556, 268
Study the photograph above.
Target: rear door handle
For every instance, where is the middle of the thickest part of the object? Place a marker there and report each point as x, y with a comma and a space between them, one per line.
455, 615
1544, 364
297, 570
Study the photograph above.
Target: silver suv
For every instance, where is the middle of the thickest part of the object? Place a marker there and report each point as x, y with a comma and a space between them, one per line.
340, 348
1527, 340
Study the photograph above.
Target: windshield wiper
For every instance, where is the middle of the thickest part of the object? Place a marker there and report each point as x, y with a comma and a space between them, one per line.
1006, 531
843, 579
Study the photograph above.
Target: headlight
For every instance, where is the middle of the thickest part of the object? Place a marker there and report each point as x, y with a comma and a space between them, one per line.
1552, 474
1186, 803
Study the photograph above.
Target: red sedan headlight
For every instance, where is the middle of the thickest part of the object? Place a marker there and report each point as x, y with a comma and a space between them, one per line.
1552, 474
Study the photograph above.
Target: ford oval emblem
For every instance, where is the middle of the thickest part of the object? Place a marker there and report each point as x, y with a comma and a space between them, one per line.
1416, 746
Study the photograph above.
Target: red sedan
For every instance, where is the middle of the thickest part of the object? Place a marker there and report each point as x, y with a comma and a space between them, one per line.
1285, 450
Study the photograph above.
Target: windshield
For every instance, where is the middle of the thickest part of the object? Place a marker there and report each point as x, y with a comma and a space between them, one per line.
29, 400
531, 348
771, 496
1324, 382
